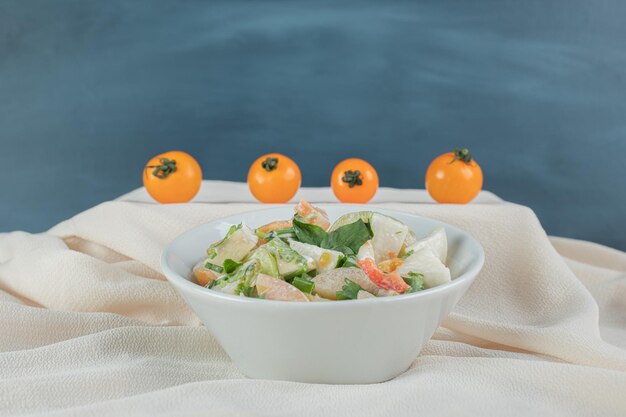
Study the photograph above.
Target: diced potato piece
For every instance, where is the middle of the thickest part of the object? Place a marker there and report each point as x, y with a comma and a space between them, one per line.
364, 294
235, 247
272, 288
328, 283
315, 298
387, 293
203, 275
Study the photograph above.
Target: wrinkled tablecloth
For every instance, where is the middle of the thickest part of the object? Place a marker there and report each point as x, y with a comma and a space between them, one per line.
89, 326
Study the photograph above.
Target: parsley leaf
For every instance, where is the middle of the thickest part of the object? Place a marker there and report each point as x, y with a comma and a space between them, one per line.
349, 291
244, 289
415, 281
308, 233
231, 266
349, 238
346, 239
348, 262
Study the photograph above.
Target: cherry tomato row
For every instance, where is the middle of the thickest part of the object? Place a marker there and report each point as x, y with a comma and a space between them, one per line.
175, 177
275, 178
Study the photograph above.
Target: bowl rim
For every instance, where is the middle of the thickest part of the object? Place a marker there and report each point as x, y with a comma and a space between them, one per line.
179, 281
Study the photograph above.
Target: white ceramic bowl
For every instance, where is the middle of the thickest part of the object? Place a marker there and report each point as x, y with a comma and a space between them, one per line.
338, 342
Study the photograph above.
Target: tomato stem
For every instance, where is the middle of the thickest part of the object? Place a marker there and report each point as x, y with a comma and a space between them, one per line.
462, 155
270, 164
162, 171
352, 178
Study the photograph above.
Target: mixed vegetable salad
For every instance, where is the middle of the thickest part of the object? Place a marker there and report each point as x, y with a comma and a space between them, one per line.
361, 255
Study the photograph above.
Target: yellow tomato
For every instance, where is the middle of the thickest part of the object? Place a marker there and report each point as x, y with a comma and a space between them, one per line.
354, 181
454, 177
172, 177
274, 178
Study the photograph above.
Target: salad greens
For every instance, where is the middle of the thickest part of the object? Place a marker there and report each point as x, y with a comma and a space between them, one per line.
303, 283
349, 291
346, 239
281, 260
230, 266
415, 281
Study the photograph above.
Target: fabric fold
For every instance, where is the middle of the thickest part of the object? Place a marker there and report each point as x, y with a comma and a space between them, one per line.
90, 326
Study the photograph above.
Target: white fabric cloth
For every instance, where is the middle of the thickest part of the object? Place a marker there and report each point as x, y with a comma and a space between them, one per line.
89, 327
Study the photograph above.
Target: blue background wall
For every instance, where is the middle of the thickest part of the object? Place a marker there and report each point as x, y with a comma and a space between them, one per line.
89, 90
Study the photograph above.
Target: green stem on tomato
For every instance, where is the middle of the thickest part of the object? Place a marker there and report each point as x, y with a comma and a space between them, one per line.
352, 178
462, 155
270, 164
167, 167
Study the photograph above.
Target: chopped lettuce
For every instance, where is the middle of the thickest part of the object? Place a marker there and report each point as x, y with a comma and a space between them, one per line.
245, 273
290, 262
267, 261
